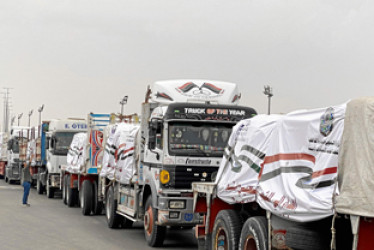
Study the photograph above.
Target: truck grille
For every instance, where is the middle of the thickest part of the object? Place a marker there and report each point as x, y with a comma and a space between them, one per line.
181, 177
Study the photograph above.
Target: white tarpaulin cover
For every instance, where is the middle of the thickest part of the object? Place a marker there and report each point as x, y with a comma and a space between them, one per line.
3, 146
108, 165
76, 155
241, 177
356, 160
287, 163
125, 143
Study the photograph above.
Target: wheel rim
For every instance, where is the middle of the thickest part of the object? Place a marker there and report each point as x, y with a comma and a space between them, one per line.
221, 239
68, 198
148, 221
82, 198
250, 243
108, 206
64, 191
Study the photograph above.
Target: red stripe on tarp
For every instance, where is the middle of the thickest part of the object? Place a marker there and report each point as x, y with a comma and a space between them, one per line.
287, 157
332, 170
185, 85
214, 87
279, 157
128, 150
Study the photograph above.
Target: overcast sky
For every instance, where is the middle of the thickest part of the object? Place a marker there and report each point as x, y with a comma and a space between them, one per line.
81, 56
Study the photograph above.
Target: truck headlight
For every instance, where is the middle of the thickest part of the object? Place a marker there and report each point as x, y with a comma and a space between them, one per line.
177, 205
164, 177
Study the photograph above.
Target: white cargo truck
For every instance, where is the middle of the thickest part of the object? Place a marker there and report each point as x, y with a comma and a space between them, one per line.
303, 180
184, 128
59, 136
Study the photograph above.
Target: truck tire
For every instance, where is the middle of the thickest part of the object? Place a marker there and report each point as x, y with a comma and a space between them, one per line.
86, 197
64, 189
97, 206
254, 235
70, 196
226, 230
154, 234
114, 220
301, 238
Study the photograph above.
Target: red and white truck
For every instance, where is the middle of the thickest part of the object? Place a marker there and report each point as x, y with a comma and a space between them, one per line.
3, 153
80, 176
303, 180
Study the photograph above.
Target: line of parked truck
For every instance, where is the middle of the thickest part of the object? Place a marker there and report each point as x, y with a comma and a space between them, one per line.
195, 158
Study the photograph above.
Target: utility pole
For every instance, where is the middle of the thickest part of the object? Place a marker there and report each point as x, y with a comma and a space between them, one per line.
268, 91
6, 114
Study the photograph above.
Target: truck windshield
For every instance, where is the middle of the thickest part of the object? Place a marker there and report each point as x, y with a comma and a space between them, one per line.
63, 141
198, 139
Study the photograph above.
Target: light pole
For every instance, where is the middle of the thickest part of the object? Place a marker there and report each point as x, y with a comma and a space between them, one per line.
19, 117
30, 113
40, 110
12, 121
268, 91
123, 102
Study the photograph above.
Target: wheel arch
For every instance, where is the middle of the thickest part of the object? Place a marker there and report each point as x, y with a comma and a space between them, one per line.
147, 191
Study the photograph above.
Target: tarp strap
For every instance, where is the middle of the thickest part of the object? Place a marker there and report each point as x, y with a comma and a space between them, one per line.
333, 233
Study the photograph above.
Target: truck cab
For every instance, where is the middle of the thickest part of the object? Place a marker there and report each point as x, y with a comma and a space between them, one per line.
186, 142
59, 136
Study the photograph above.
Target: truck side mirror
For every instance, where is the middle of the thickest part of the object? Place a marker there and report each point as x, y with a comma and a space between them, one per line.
152, 134
53, 142
10, 144
47, 143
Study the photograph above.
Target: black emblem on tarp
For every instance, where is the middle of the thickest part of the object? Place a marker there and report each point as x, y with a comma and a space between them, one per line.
326, 124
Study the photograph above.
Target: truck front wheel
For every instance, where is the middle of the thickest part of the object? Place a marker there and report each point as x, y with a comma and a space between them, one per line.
226, 230
64, 186
154, 234
114, 219
86, 197
97, 206
254, 234
70, 194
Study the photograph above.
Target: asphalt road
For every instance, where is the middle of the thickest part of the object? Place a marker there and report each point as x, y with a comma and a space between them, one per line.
49, 224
